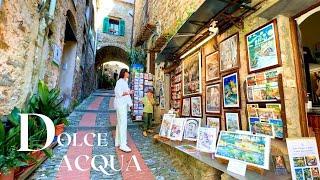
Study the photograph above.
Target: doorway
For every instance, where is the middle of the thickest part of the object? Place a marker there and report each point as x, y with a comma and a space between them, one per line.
67, 67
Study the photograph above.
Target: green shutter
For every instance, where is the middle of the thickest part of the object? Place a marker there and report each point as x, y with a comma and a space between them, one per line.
122, 27
105, 28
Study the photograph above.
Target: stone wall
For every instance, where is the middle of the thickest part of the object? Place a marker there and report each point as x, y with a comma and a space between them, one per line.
117, 9
26, 48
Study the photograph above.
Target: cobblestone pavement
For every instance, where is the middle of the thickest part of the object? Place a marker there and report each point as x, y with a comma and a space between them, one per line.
156, 160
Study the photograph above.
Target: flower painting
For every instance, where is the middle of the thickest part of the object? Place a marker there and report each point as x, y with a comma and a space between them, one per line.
229, 53
166, 125
213, 99
207, 138
231, 96
212, 67
191, 128
191, 74
196, 106
262, 48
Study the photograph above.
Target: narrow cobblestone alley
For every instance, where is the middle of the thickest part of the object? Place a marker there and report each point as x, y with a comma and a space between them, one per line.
96, 115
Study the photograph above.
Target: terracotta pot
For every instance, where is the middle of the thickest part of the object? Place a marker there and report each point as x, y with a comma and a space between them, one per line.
35, 156
9, 176
59, 129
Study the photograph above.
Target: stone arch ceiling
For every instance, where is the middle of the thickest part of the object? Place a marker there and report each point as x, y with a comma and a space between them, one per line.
111, 53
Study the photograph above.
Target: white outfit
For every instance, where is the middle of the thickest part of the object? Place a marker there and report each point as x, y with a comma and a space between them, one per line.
121, 104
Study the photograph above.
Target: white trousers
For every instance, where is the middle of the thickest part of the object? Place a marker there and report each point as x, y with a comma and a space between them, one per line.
121, 129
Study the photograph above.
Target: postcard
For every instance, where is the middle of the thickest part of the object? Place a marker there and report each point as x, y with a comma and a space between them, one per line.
276, 110
252, 122
263, 128
265, 114
278, 127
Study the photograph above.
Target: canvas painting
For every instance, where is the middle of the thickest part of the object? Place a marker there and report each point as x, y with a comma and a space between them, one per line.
231, 96
186, 107
207, 139
196, 106
177, 128
213, 99
192, 74
166, 125
212, 67
229, 53
191, 128
251, 149
214, 122
262, 48
232, 121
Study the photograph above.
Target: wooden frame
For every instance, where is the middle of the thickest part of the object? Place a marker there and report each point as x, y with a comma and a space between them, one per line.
206, 100
216, 53
233, 112
238, 105
236, 35
277, 47
199, 54
182, 107
192, 114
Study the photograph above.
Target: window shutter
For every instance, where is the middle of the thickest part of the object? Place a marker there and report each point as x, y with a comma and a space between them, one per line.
122, 27
105, 28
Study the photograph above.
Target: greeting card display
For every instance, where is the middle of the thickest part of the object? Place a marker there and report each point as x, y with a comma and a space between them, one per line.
177, 128
207, 138
304, 158
166, 125
231, 95
251, 149
196, 106
191, 128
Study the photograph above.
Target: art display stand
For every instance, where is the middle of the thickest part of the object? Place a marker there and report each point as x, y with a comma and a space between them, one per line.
176, 89
278, 101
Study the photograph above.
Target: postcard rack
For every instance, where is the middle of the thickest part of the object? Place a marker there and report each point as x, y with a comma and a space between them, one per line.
263, 103
176, 89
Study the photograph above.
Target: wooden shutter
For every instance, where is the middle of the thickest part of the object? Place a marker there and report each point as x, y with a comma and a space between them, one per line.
122, 29
106, 25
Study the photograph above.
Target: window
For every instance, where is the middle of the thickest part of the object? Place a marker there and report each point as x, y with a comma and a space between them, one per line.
114, 26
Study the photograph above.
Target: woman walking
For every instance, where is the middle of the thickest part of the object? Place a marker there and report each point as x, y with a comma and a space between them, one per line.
122, 102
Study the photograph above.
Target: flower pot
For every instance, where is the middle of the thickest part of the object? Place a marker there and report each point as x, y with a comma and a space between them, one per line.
9, 176
35, 155
59, 129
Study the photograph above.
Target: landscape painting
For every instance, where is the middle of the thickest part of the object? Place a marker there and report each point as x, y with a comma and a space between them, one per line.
231, 96
192, 74
262, 48
251, 149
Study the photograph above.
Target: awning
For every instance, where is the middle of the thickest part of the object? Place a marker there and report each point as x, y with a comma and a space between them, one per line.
226, 12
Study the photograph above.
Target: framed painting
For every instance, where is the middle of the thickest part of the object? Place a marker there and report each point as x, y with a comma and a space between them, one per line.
212, 67
191, 128
231, 93
229, 53
166, 125
177, 129
248, 148
186, 107
214, 122
192, 74
263, 51
232, 119
213, 99
196, 106
207, 139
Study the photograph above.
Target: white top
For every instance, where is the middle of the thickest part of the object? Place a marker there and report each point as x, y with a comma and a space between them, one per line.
120, 100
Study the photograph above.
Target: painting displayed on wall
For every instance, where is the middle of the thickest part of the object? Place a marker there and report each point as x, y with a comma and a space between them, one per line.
213, 99
166, 125
177, 128
263, 48
186, 107
196, 106
192, 74
231, 95
232, 120
212, 67
191, 128
251, 149
229, 53
207, 138
214, 122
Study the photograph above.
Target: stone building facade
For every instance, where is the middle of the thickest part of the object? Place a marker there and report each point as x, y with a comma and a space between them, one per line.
114, 30
46, 40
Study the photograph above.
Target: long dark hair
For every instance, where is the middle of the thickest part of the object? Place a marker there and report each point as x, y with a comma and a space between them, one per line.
122, 72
